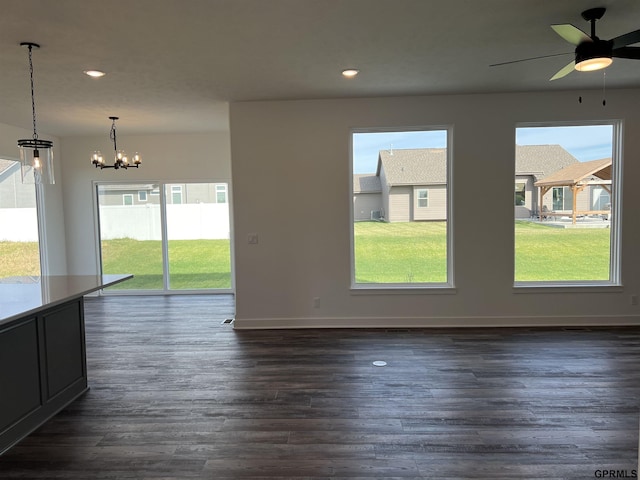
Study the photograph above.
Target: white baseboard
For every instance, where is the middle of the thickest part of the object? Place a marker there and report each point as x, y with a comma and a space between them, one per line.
437, 322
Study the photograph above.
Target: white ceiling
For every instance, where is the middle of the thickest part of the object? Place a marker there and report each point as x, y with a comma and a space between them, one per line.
172, 65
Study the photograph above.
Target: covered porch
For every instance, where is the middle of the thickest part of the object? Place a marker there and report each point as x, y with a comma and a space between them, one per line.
577, 177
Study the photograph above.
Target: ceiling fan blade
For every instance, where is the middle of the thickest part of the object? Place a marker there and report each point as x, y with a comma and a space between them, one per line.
564, 71
626, 39
571, 34
530, 58
627, 52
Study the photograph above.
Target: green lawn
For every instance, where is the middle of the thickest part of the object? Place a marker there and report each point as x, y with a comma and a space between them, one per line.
193, 264
19, 259
416, 252
400, 252
385, 253
547, 253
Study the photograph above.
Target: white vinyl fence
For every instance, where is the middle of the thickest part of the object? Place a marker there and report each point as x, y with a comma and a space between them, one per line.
190, 221
141, 222
18, 224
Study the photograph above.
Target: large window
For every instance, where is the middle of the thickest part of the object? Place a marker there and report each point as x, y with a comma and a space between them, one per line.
570, 236
400, 208
19, 240
178, 239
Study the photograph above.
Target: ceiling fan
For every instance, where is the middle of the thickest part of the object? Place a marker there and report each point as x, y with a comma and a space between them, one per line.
591, 52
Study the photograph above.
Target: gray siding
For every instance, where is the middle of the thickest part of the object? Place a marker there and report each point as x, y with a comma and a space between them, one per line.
400, 204
530, 197
437, 203
364, 204
385, 195
583, 201
15, 194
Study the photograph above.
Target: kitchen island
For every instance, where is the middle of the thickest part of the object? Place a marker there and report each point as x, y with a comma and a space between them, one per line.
42, 348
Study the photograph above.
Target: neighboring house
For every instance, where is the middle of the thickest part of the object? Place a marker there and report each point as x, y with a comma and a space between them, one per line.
149, 193
534, 163
367, 201
583, 188
12, 194
411, 184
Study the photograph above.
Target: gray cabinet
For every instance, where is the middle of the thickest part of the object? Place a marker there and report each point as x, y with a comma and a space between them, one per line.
42, 368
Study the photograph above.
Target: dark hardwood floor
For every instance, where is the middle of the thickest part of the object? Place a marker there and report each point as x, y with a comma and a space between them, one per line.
176, 394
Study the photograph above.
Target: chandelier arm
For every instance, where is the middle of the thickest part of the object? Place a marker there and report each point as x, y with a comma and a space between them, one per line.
121, 160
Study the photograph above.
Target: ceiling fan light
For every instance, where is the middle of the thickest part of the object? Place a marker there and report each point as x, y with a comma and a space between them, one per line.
591, 64
594, 55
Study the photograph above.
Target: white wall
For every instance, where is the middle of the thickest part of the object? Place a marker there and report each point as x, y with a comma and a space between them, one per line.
53, 233
288, 155
200, 157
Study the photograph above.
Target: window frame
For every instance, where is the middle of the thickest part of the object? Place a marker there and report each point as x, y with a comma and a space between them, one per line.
161, 192
176, 190
124, 199
523, 191
446, 287
221, 189
142, 196
420, 199
615, 217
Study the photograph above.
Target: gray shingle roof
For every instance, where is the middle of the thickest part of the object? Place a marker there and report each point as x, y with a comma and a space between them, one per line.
7, 166
542, 160
427, 166
414, 166
366, 183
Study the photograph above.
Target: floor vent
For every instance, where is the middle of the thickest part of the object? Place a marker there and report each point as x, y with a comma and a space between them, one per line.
576, 329
227, 320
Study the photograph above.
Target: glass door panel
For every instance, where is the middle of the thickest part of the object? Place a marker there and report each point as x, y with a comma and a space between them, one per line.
198, 236
131, 234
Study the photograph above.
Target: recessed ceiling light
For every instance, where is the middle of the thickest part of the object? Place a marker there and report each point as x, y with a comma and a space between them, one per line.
94, 73
350, 72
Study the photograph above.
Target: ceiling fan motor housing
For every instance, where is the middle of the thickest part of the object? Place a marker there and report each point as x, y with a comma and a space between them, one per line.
596, 49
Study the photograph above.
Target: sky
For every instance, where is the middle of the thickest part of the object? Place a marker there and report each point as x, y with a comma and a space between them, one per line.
587, 142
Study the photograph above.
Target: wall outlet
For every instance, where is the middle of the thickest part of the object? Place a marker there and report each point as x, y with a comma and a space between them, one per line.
316, 302
252, 239
633, 299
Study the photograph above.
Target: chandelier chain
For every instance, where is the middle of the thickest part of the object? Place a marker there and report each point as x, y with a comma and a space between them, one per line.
112, 135
33, 101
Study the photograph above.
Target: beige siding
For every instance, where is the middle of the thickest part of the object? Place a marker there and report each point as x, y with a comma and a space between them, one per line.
400, 204
530, 197
583, 201
364, 204
437, 203
385, 195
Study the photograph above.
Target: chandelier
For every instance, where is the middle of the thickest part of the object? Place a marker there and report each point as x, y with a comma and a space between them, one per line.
120, 158
36, 155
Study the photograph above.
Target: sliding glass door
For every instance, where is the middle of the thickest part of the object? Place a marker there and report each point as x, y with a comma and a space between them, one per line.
171, 237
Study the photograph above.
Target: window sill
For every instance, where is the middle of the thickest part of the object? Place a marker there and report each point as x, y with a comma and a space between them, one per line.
548, 287
404, 289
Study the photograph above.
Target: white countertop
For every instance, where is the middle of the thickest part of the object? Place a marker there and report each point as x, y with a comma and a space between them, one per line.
23, 296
